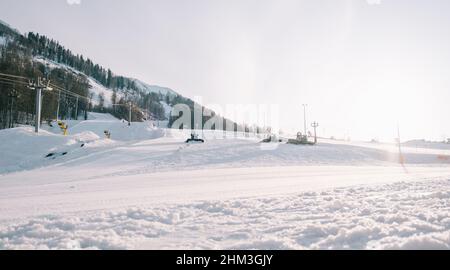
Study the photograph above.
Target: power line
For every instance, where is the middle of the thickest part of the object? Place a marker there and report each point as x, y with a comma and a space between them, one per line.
13, 76
13, 81
8, 83
68, 92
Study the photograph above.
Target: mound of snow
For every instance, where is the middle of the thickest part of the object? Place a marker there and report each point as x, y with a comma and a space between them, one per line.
25, 149
86, 136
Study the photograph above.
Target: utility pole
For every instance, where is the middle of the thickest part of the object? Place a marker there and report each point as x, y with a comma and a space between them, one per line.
129, 114
57, 109
38, 108
38, 87
315, 125
76, 110
12, 95
304, 118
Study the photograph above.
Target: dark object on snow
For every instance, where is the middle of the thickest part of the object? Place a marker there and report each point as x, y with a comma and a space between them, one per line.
55, 155
82, 145
300, 140
272, 138
194, 138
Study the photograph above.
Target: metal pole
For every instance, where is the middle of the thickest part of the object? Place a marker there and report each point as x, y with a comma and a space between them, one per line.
57, 109
38, 108
129, 122
11, 122
76, 110
10, 104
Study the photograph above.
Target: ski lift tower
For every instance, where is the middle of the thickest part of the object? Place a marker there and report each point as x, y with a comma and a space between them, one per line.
41, 84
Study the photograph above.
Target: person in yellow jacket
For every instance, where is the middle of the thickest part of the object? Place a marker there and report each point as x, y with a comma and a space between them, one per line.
63, 127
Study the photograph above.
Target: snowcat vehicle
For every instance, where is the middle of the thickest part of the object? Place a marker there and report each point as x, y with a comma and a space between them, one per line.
300, 140
194, 138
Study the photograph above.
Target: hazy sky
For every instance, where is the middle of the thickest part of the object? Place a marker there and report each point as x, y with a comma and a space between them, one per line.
362, 65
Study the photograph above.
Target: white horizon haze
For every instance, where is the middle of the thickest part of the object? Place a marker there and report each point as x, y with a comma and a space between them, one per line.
362, 66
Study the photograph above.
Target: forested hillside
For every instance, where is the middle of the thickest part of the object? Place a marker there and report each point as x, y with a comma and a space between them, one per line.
33, 55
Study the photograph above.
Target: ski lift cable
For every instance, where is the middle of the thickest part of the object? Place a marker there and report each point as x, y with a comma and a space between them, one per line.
13, 76
15, 82
9, 78
7, 83
12, 81
70, 94
67, 92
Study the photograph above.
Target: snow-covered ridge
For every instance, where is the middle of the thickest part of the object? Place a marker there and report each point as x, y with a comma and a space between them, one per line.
147, 88
10, 27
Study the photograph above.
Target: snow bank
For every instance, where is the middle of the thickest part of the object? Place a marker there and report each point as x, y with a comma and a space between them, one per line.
21, 148
393, 216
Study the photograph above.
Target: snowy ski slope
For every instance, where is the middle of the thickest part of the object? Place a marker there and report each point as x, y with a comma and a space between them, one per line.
145, 188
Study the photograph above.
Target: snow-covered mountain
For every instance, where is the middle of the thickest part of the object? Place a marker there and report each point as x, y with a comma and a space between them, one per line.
34, 55
43, 51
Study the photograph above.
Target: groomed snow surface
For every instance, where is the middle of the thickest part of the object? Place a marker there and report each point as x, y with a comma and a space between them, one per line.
146, 189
